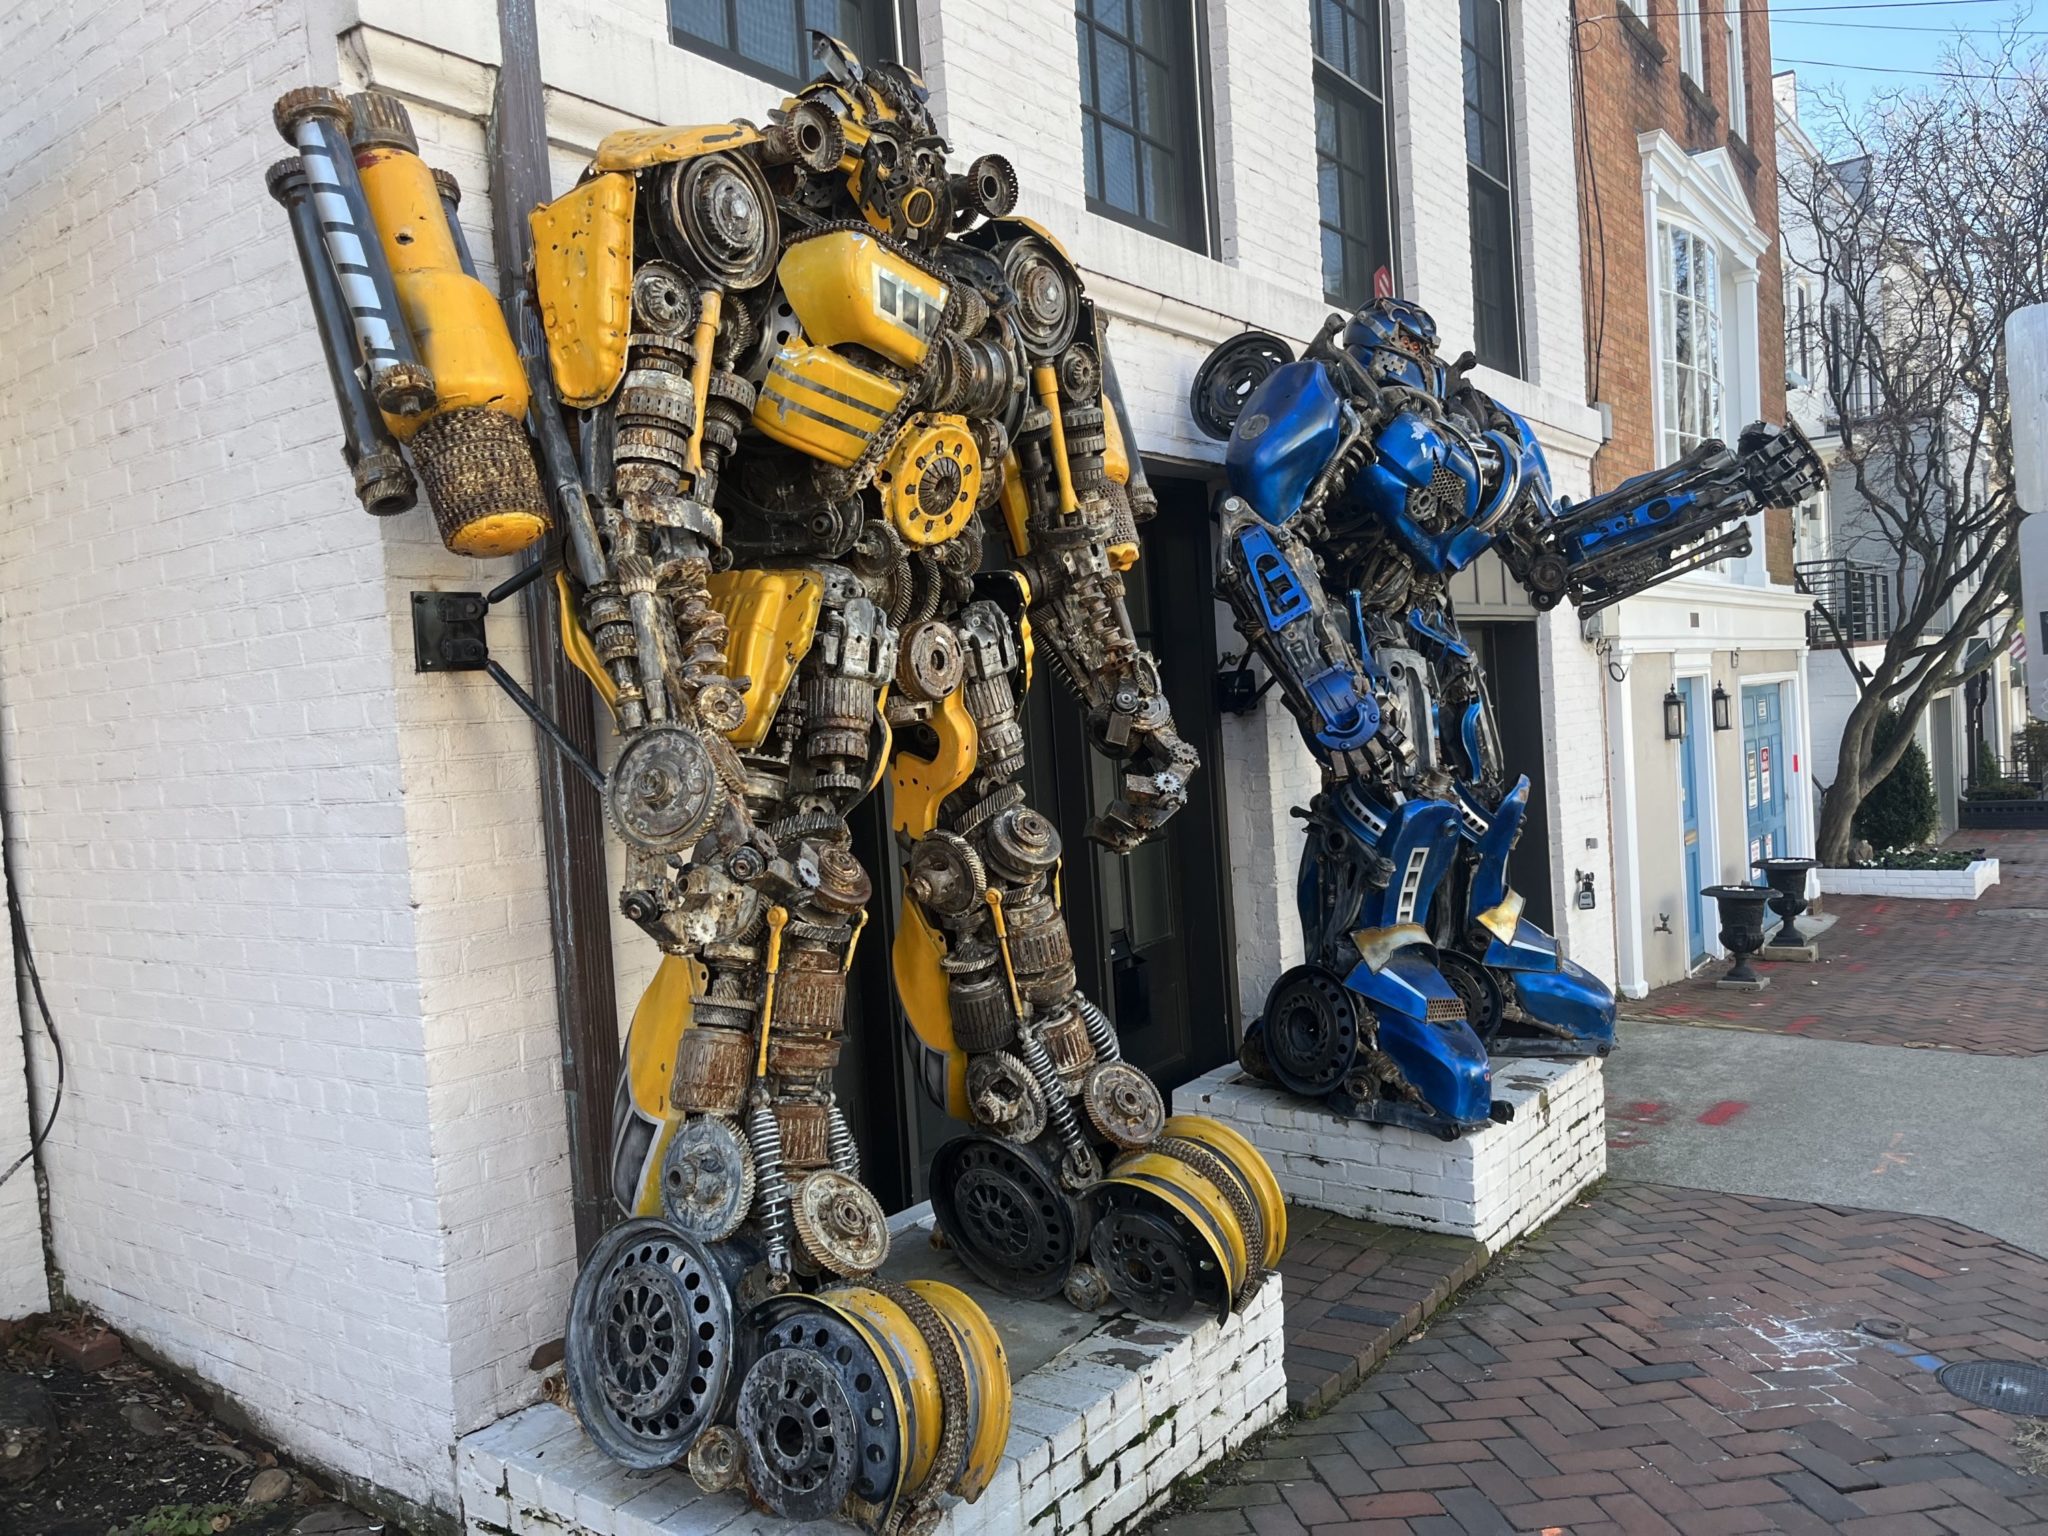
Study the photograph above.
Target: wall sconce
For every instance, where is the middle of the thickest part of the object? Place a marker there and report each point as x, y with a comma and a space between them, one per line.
1720, 708
1674, 716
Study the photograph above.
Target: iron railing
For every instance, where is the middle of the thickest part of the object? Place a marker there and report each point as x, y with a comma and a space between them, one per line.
1855, 596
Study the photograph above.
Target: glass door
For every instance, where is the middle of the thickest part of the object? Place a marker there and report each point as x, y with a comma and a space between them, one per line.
1763, 769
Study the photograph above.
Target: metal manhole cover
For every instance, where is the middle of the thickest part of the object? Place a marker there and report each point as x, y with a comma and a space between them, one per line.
2010, 1386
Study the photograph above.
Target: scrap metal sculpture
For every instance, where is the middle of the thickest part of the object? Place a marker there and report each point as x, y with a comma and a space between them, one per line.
788, 373
1360, 479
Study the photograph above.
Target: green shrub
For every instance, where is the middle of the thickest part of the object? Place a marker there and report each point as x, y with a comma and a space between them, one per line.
1988, 772
1900, 812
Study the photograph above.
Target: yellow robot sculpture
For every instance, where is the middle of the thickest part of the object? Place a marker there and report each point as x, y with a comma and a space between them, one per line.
793, 374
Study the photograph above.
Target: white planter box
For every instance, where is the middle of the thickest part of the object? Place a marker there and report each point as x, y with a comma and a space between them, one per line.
1965, 884
1492, 1184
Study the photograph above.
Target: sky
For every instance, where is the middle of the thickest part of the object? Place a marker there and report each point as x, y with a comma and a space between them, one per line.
1861, 48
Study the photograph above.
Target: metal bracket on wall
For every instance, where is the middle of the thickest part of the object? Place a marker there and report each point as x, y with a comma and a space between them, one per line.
448, 636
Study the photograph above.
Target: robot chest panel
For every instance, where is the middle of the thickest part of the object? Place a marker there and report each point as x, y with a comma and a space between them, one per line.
1423, 486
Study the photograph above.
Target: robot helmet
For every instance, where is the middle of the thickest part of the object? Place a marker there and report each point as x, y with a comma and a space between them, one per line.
1397, 323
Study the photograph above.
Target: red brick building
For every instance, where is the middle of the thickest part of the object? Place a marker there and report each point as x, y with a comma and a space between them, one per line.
1707, 703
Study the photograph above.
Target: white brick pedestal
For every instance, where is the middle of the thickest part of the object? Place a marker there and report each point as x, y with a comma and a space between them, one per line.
1492, 1184
1100, 1432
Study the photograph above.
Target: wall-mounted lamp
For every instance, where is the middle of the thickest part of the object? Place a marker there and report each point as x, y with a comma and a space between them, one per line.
1674, 716
1720, 708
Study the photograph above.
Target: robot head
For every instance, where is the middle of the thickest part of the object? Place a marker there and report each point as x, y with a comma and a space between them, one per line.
894, 157
1396, 340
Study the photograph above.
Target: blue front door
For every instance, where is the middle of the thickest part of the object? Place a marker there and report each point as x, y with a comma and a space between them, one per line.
1763, 769
1691, 783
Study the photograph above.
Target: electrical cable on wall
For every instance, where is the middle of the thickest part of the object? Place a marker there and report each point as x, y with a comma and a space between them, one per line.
25, 960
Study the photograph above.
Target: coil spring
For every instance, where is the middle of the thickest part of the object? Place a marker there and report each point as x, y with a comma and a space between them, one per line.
1059, 1109
1336, 479
1101, 1033
844, 1150
771, 1191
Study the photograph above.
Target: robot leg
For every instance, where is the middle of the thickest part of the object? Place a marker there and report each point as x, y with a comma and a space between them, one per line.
1184, 1216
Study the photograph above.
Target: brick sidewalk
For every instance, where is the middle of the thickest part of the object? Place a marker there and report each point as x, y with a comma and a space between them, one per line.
1945, 975
1666, 1360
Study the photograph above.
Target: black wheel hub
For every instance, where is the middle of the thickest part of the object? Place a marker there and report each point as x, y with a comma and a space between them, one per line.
1005, 1215
1151, 1257
1311, 1030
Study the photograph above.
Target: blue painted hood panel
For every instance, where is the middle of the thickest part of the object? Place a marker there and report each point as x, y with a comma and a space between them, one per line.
1289, 429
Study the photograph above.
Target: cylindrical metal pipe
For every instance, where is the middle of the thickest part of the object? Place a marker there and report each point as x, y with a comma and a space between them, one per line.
451, 199
384, 483
315, 121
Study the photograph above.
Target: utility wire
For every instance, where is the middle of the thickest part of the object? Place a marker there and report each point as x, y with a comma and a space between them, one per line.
1890, 69
25, 961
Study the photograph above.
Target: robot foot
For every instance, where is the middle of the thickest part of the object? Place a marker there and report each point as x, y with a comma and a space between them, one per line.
866, 1403
653, 1349
863, 1402
1188, 1223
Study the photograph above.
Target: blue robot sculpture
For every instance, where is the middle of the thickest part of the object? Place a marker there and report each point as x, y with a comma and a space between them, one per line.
1361, 477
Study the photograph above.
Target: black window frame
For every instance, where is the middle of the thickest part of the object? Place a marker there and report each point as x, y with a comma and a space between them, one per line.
1340, 85
901, 15
1190, 148
1492, 195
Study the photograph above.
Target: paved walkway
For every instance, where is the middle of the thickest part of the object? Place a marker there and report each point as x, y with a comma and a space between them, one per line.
1665, 1360
1937, 975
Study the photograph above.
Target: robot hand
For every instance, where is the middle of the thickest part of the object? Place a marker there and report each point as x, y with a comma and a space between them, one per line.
1154, 776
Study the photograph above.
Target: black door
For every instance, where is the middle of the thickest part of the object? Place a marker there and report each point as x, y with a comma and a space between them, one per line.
1152, 935
1507, 659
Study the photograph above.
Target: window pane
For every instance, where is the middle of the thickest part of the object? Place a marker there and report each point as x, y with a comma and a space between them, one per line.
768, 35
1351, 189
1138, 94
1495, 258
702, 19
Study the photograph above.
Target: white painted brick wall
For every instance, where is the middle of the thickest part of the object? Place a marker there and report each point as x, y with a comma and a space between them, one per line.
1098, 1437
1965, 884
288, 895
1492, 1184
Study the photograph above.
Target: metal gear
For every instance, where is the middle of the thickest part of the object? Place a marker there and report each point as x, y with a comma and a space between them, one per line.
1005, 1214
662, 794
946, 875
649, 1347
840, 1225
1048, 307
1311, 1030
798, 1430
1005, 1097
1123, 1104
662, 300
707, 1179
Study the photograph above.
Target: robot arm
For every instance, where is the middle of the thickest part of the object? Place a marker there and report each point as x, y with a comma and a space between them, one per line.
1276, 596
1071, 501
1658, 525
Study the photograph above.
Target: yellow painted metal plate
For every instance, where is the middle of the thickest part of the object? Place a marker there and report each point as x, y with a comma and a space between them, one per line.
1116, 458
921, 989
771, 618
577, 647
635, 149
988, 1382
583, 273
819, 403
846, 287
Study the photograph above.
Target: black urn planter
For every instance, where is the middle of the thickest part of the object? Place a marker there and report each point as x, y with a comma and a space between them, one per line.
1787, 878
1742, 926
